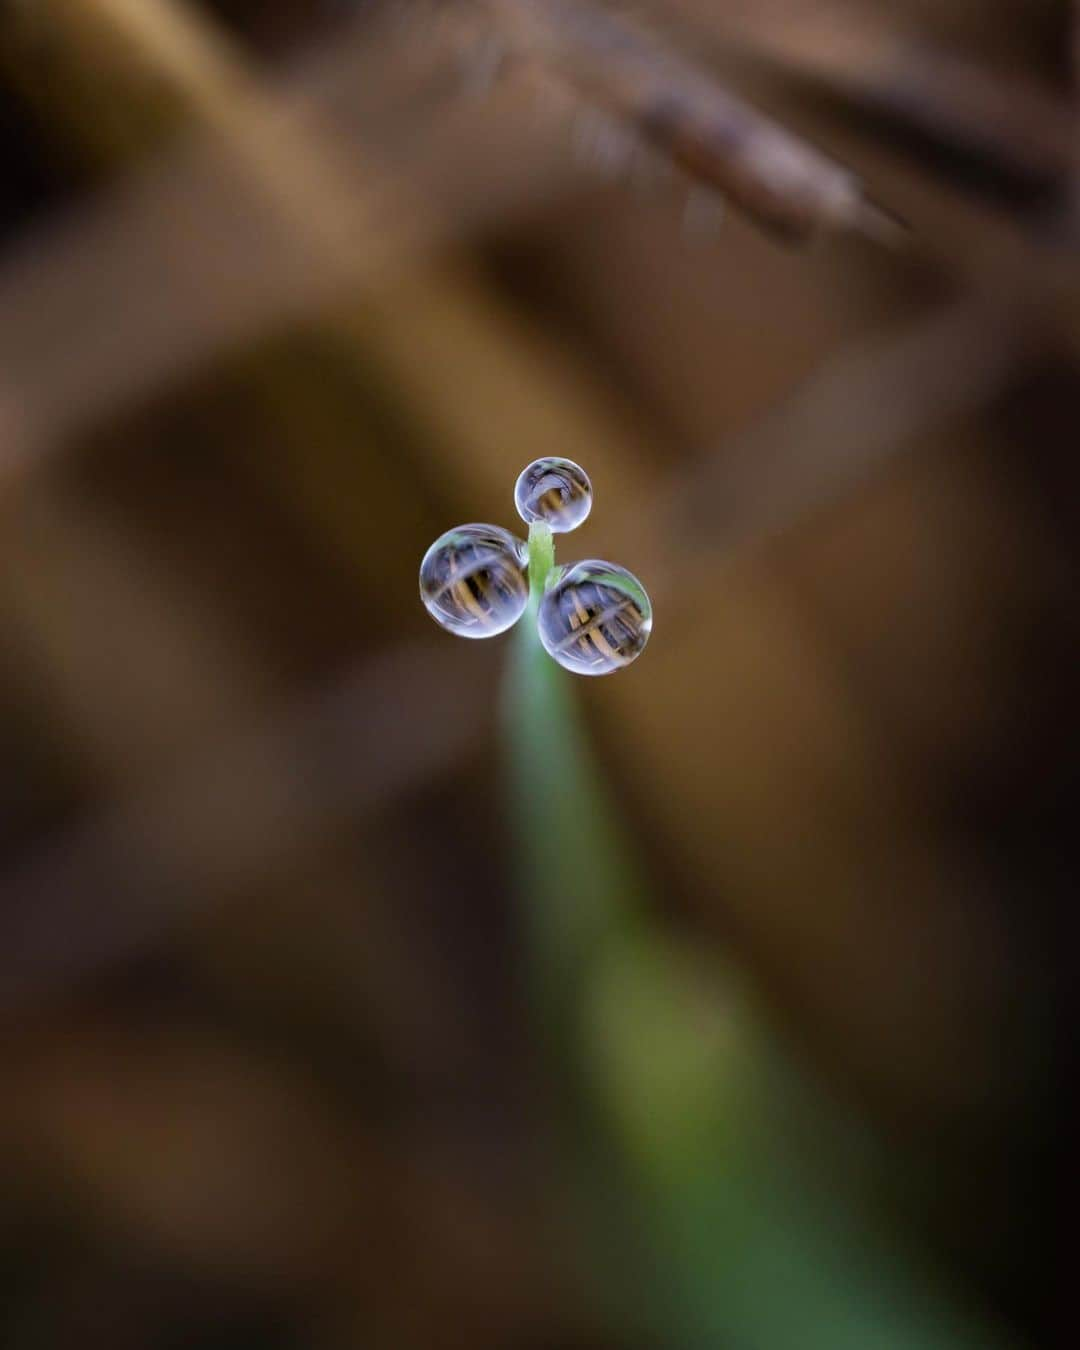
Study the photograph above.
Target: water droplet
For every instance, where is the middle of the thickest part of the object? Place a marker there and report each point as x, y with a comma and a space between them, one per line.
555, 490
595, 619
473, 580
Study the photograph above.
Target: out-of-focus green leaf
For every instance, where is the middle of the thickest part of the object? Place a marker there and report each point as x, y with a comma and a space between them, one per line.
673, 1085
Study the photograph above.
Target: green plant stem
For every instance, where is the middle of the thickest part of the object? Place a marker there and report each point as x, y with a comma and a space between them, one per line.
576, 876
541, 558
668, 1097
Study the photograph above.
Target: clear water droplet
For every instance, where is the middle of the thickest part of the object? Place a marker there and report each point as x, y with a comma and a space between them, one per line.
473, 580
555, 490
595, 619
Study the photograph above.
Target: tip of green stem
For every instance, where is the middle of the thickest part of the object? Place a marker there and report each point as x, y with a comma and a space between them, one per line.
541, 557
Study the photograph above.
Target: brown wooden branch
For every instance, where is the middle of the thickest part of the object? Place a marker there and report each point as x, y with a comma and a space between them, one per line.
687, 114
277, 212
847, 420
864, 54
232, 817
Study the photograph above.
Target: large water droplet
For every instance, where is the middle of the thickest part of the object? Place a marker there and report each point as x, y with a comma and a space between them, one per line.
596, 618
473, 580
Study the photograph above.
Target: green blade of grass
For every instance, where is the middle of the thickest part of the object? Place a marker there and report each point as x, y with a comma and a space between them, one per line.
670, 1083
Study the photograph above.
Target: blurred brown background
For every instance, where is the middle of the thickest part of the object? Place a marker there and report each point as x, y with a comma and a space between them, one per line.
288, 289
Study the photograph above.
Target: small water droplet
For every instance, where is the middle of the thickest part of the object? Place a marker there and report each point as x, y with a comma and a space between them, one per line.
595, 619
473, 580
555, 490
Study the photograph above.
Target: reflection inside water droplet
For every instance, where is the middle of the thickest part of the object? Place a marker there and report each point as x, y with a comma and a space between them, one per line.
595, 619
554, 490
473, 580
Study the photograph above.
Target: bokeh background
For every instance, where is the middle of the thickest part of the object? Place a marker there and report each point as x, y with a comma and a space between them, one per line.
288, 1056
